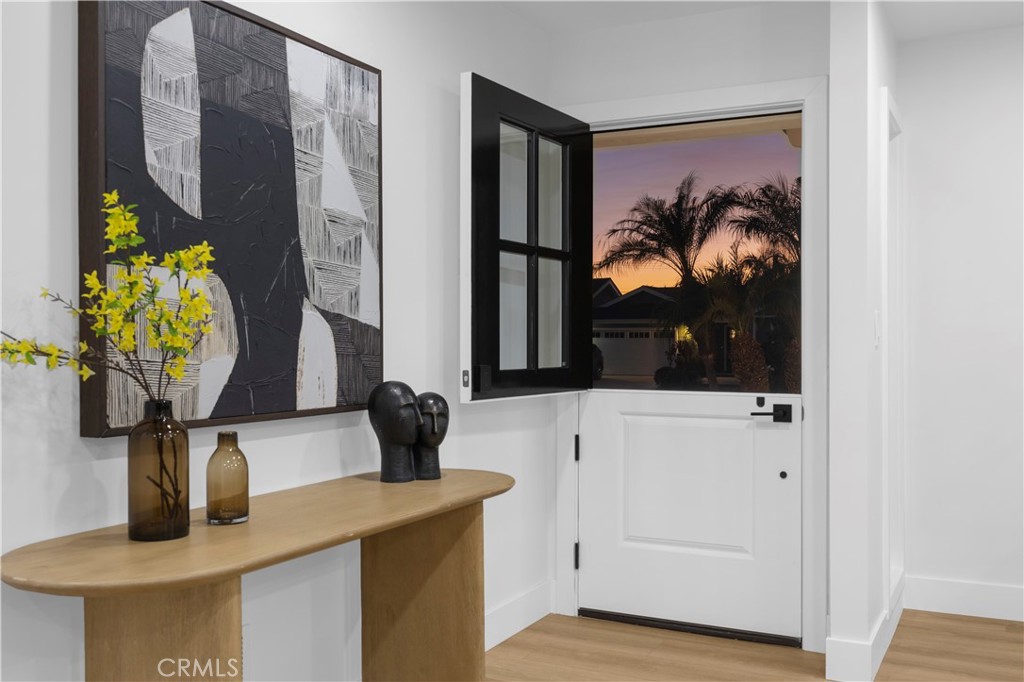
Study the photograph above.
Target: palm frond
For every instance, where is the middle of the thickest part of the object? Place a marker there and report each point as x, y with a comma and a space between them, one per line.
770, 213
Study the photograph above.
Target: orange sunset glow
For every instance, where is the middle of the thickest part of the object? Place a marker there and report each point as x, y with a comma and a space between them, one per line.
623, 173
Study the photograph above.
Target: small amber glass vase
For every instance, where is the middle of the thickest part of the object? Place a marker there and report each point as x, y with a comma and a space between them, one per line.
227, 482
158, 475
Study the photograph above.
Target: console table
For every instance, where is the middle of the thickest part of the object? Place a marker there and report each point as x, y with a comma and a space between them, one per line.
151, 605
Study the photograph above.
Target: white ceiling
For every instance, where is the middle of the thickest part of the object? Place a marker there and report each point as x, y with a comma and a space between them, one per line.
916, 20
910, 20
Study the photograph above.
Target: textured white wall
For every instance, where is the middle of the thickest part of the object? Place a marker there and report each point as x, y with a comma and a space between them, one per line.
301, 618
962, 102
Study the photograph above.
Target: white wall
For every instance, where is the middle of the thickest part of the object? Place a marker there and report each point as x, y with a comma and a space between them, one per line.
961, 101
301, 617
742, 45
862, 619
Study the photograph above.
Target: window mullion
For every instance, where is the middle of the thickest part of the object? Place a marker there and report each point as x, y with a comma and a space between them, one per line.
532, 219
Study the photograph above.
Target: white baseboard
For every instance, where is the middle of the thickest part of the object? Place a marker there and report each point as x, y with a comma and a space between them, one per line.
517, 613
967, 598
858, 661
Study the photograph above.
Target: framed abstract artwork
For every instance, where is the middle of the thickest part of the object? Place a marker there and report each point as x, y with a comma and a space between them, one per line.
226, 128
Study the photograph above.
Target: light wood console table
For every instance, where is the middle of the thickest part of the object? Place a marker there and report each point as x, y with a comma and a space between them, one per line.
149, 605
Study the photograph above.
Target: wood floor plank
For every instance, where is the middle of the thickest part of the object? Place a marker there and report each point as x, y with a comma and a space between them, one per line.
927, 647
567, 648
941, 646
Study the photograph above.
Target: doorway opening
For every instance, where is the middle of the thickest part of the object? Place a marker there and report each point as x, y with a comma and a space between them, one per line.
696, 256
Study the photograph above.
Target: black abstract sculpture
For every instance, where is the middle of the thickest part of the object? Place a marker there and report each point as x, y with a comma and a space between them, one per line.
396, 420
434, 411
409, 430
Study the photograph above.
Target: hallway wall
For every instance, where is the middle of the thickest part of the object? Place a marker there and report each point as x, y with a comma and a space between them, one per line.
962, 101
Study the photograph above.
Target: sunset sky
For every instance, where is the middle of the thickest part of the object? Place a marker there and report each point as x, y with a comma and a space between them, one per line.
623, 174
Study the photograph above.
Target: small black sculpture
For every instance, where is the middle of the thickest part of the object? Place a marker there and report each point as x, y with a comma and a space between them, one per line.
434, 411
395, 417
409, 430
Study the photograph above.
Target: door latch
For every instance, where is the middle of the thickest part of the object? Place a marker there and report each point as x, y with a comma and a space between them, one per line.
781, 412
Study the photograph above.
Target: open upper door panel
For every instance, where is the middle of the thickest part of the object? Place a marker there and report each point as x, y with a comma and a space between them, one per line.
526, 245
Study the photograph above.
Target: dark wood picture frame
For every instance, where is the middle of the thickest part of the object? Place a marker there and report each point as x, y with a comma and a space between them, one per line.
93, 178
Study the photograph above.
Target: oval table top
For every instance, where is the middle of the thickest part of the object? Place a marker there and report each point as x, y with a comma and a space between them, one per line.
282, 525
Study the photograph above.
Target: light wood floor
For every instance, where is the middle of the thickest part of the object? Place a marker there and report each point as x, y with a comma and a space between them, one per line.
927, 646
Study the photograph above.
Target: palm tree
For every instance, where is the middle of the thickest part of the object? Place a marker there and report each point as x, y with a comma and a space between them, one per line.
771, 213
737, 288
668, 232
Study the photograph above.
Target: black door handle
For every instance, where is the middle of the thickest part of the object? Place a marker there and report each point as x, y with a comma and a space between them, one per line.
781, 412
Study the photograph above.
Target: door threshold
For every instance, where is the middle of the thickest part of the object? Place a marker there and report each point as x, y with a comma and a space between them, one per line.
693, 628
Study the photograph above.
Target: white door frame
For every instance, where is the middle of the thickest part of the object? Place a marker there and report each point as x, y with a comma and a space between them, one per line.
892, 239
811, 96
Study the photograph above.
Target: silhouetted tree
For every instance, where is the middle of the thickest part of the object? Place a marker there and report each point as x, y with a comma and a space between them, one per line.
670, 232
770, 213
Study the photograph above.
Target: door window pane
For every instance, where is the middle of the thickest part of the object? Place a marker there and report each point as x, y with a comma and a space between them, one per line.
549, 194
513, 182
512, 310
719, 310
549, 312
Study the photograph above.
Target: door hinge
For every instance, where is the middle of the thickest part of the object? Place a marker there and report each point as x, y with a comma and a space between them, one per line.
577, 447
803, 413
576, 556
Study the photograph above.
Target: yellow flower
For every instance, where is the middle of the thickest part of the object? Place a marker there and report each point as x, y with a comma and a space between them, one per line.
53, 355
128, 298
92, 283
126, 340
108, 298
176, 369
170, 261
143, 261
115, 320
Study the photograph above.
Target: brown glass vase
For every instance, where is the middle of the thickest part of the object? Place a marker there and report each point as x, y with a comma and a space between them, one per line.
158, 475
227, 482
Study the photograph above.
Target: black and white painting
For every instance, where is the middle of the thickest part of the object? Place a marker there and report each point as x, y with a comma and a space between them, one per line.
267, 146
